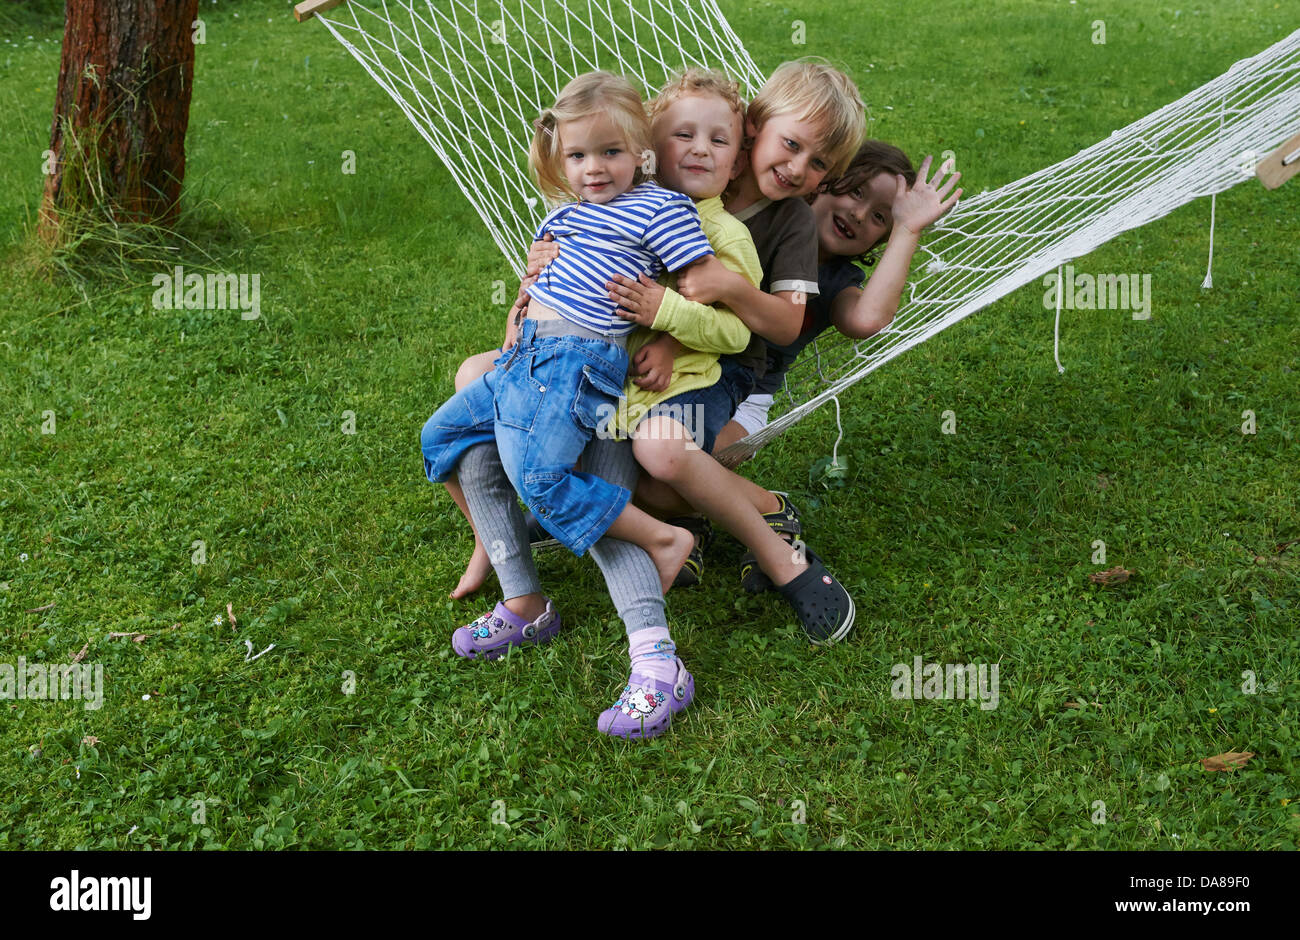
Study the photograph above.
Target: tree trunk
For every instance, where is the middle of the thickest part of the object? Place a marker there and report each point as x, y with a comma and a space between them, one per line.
121, 111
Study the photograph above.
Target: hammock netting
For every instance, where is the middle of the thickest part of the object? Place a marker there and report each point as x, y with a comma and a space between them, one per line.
473, 77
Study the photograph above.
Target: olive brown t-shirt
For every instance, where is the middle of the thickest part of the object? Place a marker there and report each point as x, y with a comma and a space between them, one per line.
785, 235
832, 277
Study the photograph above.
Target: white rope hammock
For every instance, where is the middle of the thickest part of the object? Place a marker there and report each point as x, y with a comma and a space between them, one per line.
472, 78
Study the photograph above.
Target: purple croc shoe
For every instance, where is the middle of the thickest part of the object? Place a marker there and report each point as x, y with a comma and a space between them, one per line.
646, 707
492, 634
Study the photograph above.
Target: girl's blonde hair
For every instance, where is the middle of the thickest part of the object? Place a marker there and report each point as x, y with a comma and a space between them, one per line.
817, 92
592, 93
698, 81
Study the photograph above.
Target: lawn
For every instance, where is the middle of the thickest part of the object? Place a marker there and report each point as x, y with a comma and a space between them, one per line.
361, 729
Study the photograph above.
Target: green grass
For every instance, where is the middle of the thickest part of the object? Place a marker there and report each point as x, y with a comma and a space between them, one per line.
174, 426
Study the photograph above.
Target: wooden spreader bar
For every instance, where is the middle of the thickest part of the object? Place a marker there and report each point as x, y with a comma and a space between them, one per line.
309, 8
1280, 165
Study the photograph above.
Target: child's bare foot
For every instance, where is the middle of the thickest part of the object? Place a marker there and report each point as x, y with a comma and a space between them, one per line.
670, 554
476, 572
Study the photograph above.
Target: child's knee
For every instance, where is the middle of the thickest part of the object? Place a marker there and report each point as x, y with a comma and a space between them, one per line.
660, 447
474, 366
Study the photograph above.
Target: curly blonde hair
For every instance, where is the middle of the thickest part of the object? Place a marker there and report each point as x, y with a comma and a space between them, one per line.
698, 81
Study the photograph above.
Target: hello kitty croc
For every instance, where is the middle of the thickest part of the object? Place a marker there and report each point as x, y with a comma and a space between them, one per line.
493, 634
646, 707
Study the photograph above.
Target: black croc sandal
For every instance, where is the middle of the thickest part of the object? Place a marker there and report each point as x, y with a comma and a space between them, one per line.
693, 569
784, 521
824, 608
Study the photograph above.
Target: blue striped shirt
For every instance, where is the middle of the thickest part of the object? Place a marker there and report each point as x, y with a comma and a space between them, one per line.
646, 230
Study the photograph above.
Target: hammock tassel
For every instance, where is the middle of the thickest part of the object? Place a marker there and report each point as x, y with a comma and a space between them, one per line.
1056, 344
835, 451
1209, 265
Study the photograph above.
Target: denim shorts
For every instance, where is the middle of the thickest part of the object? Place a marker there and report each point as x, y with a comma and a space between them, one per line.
541, 404
704, 412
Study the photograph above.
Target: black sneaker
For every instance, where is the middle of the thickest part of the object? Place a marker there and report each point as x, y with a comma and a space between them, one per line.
693, 569
785, 521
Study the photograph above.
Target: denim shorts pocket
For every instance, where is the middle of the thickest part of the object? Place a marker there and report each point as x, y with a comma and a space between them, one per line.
519, 396
597, 401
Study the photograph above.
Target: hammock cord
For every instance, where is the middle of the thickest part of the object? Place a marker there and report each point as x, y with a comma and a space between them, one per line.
472, 83
1056, 343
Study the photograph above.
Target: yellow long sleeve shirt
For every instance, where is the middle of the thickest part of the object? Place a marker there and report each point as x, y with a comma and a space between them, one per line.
706, 332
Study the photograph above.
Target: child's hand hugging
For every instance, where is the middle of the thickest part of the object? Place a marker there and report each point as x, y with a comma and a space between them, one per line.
638, 300
540, 254
652, 366
517, 312
708, 281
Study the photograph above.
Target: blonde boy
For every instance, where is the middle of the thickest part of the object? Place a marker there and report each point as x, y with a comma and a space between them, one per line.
697, 124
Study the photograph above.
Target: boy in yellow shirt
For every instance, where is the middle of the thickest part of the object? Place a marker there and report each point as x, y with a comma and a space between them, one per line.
696, 122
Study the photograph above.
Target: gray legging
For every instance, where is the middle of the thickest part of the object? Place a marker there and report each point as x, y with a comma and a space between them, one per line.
630, 575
